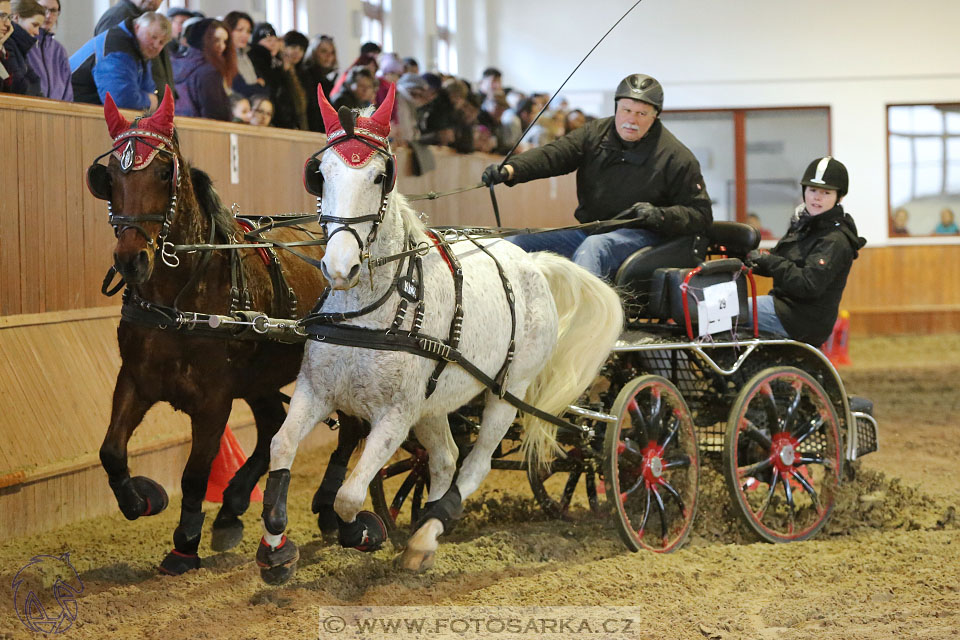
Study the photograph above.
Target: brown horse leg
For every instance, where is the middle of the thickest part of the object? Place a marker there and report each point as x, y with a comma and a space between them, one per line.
208, 424
352, 430
268, 413
137, 496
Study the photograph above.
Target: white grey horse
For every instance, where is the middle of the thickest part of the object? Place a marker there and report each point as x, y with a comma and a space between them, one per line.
564, 321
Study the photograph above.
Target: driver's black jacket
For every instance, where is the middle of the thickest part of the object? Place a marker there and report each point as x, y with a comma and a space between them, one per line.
612, 175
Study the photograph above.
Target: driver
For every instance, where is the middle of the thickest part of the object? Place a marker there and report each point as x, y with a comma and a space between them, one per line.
628, 166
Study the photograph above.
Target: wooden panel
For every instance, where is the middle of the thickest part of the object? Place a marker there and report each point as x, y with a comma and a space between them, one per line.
9, 216
55, 244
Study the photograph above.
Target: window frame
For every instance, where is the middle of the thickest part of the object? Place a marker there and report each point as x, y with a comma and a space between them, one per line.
739, 114
944, 136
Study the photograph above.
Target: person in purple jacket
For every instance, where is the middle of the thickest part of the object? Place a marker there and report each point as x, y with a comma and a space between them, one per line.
205, 71
49, 58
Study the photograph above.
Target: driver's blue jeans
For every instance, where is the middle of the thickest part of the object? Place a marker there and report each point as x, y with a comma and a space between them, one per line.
601, 254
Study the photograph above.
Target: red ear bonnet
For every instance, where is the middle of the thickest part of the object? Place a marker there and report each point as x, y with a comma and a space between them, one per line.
116, 123
375, 129
331, 123
157, 129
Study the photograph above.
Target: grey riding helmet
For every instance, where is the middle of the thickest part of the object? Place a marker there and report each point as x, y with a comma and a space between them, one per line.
641, 87
826, 173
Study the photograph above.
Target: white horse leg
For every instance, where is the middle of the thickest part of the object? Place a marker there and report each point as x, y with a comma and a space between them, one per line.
276, 555
434, 434
306, 409
386, 435
497, 417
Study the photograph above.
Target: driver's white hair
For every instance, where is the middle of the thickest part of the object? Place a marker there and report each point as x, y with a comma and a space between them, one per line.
152, 17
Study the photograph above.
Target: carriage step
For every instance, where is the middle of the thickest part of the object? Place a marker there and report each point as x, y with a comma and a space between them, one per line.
860, 405
866, 425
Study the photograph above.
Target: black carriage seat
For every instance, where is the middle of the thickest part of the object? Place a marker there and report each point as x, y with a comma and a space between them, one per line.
667, 293
733, 239
635, 274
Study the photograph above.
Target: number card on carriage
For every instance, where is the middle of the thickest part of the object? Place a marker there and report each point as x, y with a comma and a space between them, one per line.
719, 305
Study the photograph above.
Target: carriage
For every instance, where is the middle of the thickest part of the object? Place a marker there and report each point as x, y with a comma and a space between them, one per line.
772, 411
682, 382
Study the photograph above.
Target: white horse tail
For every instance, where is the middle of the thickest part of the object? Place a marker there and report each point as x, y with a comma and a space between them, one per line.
590, 321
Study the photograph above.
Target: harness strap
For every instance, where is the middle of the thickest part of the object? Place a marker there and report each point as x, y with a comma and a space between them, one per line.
511, 302
317, 317
424, 346
107, 279
195, 274
456, 323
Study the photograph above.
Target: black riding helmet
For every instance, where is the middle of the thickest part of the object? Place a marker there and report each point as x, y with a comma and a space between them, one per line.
641, 87
826, 173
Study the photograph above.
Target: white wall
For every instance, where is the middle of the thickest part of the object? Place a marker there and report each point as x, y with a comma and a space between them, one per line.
856, 56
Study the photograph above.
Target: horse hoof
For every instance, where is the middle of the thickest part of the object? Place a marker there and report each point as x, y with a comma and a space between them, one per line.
375, 532
277, 565
177, 563
417, 560
226, 534
153, 494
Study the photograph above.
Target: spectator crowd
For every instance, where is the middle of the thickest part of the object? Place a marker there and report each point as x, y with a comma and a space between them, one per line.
234, 69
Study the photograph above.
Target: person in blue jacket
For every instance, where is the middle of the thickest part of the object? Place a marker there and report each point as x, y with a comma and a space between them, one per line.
118, 61
205, 71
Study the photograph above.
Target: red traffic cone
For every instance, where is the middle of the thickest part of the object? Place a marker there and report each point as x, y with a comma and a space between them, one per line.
230, 458
837, 346
842, 339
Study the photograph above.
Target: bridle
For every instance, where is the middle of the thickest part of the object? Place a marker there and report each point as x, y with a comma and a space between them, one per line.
98, 182
313, 180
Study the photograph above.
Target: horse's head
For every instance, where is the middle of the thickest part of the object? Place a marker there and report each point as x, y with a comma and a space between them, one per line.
353, 184
140, 184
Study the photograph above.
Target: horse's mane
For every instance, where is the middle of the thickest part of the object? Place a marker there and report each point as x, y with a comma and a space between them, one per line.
416, 230
210, 202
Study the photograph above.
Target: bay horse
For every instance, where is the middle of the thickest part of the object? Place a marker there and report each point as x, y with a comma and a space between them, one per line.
157, 200
535, 326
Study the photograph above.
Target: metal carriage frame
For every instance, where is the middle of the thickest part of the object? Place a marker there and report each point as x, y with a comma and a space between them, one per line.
688, 371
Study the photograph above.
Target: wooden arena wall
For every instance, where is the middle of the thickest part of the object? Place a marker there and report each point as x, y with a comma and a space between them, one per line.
58, 354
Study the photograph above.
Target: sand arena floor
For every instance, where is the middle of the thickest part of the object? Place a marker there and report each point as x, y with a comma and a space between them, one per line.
887, 564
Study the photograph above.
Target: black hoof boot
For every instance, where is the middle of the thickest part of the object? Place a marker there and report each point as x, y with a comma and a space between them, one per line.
448, 509
275, 501
153, 493
277, 565
227, 532
139, 496
366, 533
177, 563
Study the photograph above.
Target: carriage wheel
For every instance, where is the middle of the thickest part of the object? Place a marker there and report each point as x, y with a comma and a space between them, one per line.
555, 486
652, 466
782, 454
407, 480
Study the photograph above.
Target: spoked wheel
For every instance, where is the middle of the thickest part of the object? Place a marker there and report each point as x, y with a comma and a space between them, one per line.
555, 487
652, 465
407, 481
782, 454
